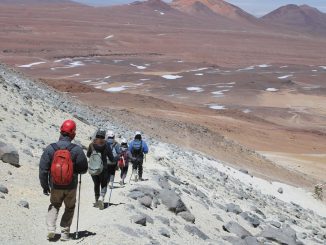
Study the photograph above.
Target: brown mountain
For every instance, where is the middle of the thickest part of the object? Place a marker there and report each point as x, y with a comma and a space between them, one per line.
302, 17
218, 7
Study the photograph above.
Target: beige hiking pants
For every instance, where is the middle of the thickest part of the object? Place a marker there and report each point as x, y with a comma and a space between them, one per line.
68, 197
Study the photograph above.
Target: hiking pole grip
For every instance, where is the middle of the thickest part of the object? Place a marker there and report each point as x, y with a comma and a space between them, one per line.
78, 206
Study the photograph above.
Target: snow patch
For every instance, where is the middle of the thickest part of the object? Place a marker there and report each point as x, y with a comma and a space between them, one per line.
246, 111
272, 89
32, 64
195, 89
71, 65
246, 69
200, 69
139, 67
116, 89
217, 107
199, 74
264, 66
284, 77
171, 77
109, 37
87, 81
74, 75
323, 67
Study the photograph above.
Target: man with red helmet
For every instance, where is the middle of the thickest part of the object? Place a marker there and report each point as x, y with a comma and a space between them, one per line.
62, 193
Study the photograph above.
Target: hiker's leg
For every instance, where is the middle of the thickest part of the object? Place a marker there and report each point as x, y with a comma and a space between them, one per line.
111, 171
104, 183
96, 181
140, 169
56, 199
70, 203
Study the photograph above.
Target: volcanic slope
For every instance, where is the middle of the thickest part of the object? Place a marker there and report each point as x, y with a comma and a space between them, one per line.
182, 202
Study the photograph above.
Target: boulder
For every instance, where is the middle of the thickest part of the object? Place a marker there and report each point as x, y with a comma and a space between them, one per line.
164, 232
187, 216
3, 189
275, 224
233, 208
139, 219
237, 229
280, 190
2, 196
9, 154
146, 201
136, 194
244, 171
23, 204
278, 235
164, 220
172, 201
251, 218
195, 231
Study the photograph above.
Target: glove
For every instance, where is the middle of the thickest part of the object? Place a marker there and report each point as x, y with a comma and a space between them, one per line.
46, 192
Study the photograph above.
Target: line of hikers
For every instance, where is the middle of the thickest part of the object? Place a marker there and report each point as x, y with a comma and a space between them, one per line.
63, 161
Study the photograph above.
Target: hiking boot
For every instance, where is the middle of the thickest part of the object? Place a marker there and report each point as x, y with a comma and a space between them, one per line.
111, 185
51, 235
101, 203
141, 179
95, 205
65, 237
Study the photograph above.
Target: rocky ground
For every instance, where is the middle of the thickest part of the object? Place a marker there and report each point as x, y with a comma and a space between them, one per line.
189, 198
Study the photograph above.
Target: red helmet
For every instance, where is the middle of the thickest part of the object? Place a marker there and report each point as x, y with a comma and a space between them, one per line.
69, 127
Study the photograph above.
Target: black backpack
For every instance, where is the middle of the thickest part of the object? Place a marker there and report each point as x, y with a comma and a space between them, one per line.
137, 149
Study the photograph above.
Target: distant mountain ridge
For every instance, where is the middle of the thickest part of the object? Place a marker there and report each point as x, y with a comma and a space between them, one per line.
219, 7
299, 17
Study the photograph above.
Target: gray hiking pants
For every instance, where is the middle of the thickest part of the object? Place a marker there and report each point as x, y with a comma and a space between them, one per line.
68, 197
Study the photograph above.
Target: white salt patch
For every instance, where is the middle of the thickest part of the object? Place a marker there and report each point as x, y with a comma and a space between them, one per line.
231, 83
284, 77
144, 79
74, 75
58, 61
32, 64
180, 61
71, 65
272, 89
139, 67
217, 107
87, 81
107, 77
116, 89
109, 37
199, 74
195, 89
246, 69
264, 66
323, 67
171, 77
225, 86
117, 61
283, 66
246, 111
101, 83
200, 69
98, 87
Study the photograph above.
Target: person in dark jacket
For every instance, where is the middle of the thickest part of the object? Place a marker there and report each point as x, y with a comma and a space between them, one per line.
138, 148
112, 165
99, 145
67, 193
125, 157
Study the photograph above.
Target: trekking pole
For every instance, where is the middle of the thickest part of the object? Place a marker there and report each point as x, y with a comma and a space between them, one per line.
111, 191
78, 206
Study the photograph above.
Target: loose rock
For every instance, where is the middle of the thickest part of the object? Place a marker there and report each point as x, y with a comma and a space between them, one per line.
237, 229
9, 154
186, 215
3, 189
23, 204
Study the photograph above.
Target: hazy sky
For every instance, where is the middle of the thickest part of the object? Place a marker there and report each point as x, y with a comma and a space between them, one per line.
255, 7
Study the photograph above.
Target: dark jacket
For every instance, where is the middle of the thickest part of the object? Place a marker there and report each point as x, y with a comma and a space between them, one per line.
78, 158
114, 146
102, 147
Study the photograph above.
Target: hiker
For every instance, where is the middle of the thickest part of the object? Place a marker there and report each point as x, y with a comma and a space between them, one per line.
99, 148
112, 165
123, 162
138, 148
59, 167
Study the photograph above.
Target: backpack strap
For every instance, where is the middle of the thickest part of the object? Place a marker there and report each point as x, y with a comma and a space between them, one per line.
55, 147
70, 147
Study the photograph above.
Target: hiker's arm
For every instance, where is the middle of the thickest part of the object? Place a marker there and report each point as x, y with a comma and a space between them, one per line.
81, 164
130, 146
130, 156
145, 147
44, 168
89, 150
109, 153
